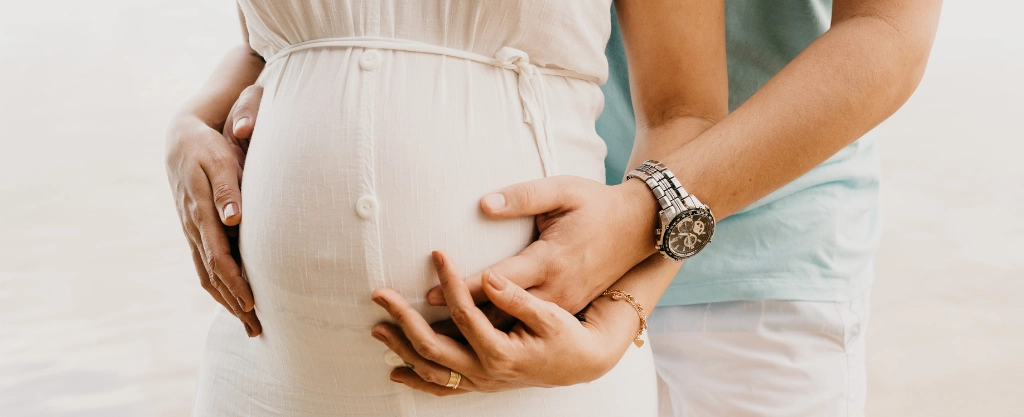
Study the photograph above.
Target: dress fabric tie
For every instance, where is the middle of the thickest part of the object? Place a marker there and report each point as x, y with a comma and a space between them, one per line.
529, 82
529, 76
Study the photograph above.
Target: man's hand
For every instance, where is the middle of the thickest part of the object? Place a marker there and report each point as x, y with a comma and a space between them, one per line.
204, 169
591, 234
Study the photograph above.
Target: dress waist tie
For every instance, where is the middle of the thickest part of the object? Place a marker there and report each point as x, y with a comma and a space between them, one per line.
529, 75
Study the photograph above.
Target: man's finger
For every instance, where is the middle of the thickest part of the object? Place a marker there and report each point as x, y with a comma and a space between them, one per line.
526, 269
448, 328
246, 108
499, 319
528, 198
540, 316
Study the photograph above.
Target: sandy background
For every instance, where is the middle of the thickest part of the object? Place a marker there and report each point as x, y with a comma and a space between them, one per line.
101, 313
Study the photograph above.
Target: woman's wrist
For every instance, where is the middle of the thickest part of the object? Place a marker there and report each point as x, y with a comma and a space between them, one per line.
616, 321
646, 282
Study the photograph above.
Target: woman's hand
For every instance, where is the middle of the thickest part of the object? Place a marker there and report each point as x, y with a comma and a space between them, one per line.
591, 234
531, 354
204, 169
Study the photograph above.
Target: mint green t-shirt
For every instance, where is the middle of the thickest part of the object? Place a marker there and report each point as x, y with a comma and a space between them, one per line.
814, 239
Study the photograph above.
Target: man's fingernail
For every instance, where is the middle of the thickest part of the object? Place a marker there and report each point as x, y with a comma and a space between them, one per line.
494, 201
379, 336
248, 330
438, 260
240, 122
230, 210
497, 281
435, 297
381, 302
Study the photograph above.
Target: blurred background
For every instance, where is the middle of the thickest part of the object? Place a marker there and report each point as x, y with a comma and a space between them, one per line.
101, 313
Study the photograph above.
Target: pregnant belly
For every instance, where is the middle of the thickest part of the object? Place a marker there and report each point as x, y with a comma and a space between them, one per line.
349, 190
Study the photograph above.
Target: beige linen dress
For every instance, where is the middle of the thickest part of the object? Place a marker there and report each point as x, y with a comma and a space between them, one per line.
382, 124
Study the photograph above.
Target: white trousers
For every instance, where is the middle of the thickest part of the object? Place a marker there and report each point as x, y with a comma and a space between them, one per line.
761, 358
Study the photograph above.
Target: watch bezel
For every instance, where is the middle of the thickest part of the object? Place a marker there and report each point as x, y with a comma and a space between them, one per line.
667, 250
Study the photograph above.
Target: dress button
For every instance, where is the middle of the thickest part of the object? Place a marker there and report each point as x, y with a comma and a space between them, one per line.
392, 359
366, 206
369, 60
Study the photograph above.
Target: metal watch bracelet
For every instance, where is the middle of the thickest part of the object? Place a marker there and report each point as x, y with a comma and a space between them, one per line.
686, 224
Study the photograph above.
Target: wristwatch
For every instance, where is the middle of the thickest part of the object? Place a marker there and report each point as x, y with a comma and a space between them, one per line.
686, 224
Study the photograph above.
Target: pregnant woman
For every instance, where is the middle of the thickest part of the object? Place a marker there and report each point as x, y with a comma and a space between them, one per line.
382, 123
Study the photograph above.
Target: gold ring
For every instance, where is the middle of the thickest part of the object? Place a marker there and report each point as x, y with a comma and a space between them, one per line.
454, 380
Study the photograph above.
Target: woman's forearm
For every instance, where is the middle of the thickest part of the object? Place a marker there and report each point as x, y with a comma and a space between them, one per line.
239, 69
649, 280
845, 83
646, 282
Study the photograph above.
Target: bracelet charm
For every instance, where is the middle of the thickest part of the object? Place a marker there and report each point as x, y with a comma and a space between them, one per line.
617, 295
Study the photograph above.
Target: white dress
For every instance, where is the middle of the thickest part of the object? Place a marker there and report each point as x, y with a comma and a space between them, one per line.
382, 124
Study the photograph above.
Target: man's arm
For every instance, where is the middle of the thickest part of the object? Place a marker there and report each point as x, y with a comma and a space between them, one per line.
681, 76
844, 84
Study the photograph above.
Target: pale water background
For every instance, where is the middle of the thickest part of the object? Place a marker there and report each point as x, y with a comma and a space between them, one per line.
101, 313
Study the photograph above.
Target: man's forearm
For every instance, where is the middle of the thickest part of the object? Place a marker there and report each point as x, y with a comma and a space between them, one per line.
845, 83
239, 69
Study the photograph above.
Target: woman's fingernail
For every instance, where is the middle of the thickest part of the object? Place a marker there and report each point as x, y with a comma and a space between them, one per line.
230, 210
241, 304
248, 330
240, 122
381, 301
379, 336
494, 201
438, 260
497, 281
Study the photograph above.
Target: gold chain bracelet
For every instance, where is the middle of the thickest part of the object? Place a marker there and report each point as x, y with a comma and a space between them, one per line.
622, 295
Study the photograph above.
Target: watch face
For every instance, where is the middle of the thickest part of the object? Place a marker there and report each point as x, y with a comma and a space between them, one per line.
689, 232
